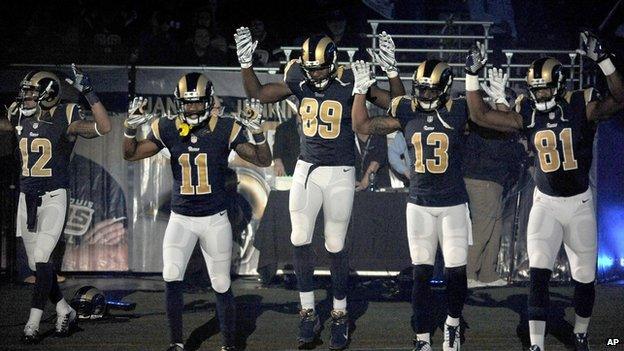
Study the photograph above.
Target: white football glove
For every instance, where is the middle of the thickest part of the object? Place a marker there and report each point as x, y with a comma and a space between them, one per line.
496, 88
136, 113
245, 46
251, 116
385, 58
363, 77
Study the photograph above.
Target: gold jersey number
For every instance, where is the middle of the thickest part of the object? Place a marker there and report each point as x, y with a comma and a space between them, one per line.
37, 145
546, 144
329, 112
201, 162
437, 165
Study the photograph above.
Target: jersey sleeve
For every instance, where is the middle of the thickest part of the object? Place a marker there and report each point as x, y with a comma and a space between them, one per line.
399, 108
238, 135
72, 112
293, 76
154, 134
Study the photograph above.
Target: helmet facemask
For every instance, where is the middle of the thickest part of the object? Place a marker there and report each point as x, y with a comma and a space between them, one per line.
318, 83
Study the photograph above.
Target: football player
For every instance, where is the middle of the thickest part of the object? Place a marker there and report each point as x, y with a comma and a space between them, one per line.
559, 126
324, 174
437, 209
46, 132
199, 142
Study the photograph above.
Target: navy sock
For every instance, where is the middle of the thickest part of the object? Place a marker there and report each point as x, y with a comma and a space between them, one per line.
43, 284
226, 311
539, 298
175, 306
304, 267
456, 290
339, 273
422, 298
584, 296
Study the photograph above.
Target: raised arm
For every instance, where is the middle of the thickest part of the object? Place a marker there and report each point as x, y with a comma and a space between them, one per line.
5, 123
101, 124
480, 112
258, 153
387, 61
134, 150
359, 114
270, 92
614, 101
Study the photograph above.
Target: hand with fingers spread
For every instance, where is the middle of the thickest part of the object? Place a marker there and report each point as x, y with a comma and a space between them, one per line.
251, 116
362, 75
136, 113
592, 48
476, 59
496, 89
245, 46
385, 58
81, 81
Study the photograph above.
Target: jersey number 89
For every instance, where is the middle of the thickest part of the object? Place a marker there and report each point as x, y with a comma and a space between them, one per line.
330, 113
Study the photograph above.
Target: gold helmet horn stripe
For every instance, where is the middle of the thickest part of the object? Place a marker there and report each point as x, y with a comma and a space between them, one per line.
437, 72
305, 48
320, 50
182, 86
202, 81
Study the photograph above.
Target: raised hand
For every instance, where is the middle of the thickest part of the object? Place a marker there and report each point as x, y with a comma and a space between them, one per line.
476, 59
385, 58
496, 88
81, 81
251, 116
136, 113
362, 75
245, 46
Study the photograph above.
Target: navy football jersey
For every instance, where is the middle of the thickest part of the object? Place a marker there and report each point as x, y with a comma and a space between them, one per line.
45, 148
434, 141
199, 162
326, 131
562, 140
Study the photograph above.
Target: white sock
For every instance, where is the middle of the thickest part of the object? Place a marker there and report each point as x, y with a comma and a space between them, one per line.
307, 300
581, 324
340, 305
423, 337
537, 329
453, 322
179, 344
35, 317
62, 307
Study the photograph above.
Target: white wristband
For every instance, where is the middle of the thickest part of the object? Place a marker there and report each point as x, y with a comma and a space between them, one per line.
472, 82
392, 74
245, 65
607, 67
96, 130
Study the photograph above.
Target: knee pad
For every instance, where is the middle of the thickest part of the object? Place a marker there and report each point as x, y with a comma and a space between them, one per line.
334, 243
539, 293
584, 296
220, 283
584, 274
300, 237
172, 272
455, 250
422, 254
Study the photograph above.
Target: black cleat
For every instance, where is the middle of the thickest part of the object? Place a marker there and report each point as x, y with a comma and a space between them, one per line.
580, 342
451, 338
31, 335
420, 345
309, 327
64, 323
339, 330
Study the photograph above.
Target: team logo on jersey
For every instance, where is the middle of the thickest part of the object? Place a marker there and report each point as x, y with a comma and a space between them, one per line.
551, 125
551, 115
35, 125
193, 139
79, 217
429, 119
428, 128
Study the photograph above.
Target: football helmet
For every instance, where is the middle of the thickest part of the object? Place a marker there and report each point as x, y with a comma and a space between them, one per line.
431, 83
318, 53
42, 87
545, 75
194, 88
89, 303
